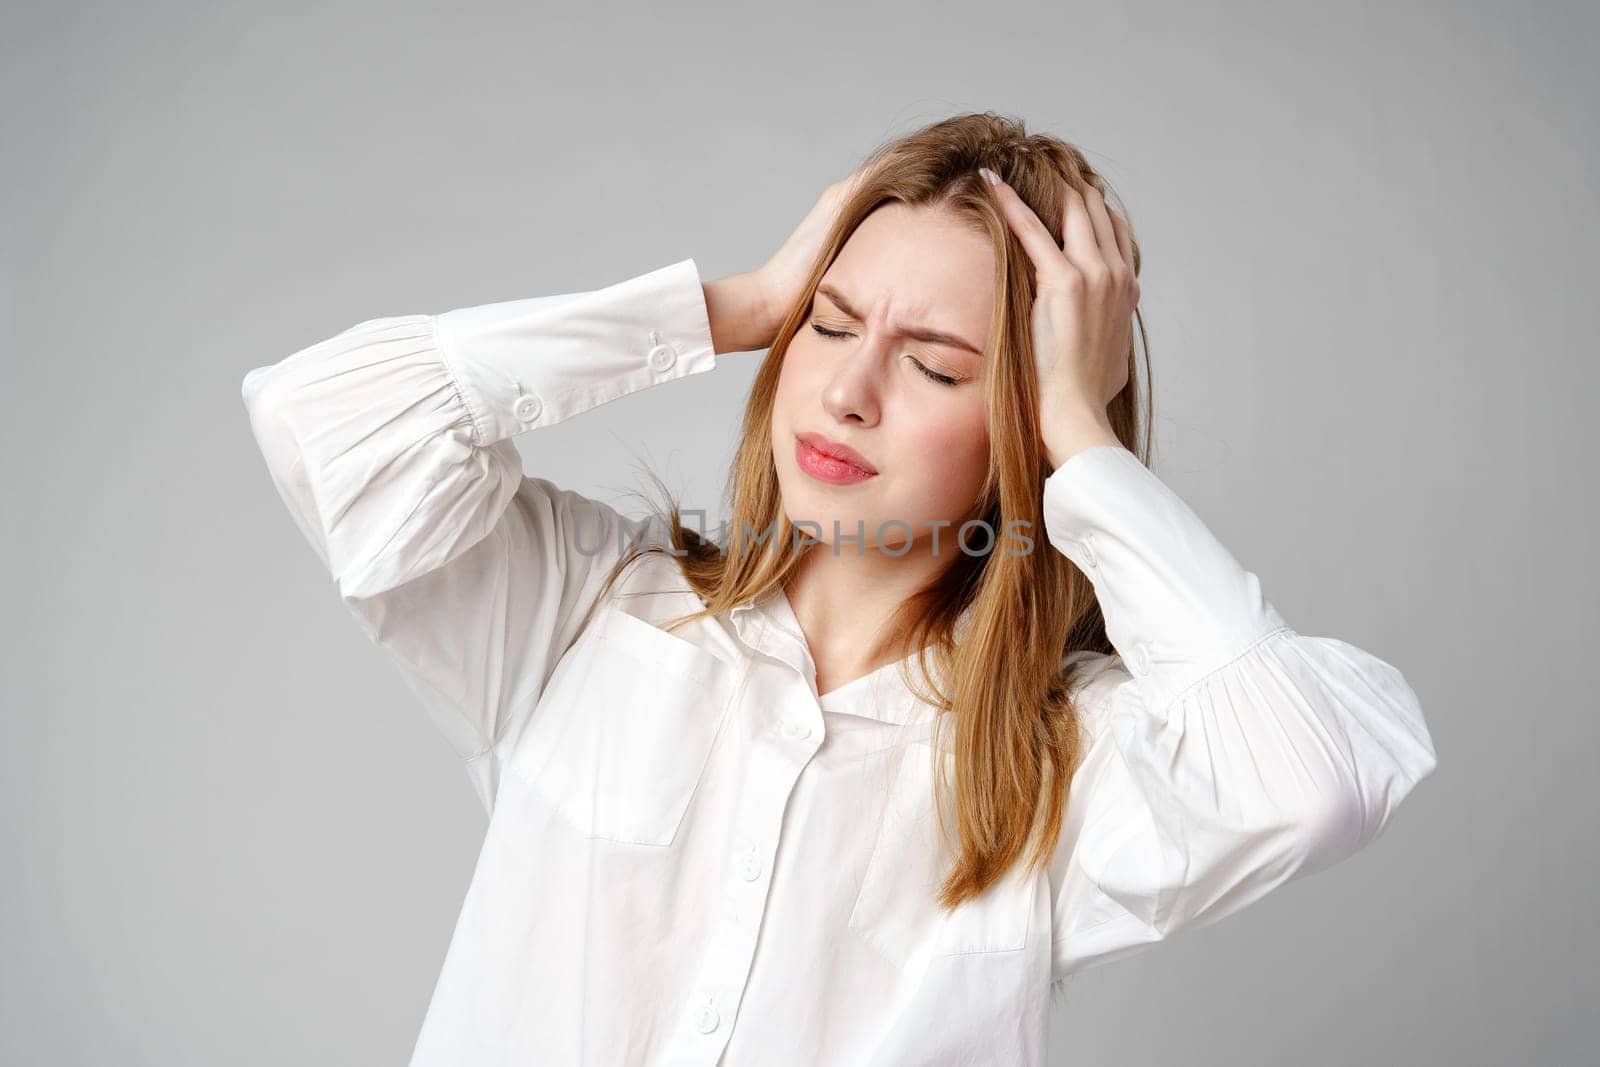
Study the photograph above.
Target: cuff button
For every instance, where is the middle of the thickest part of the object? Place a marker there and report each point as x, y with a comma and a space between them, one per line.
662, 356
526, 408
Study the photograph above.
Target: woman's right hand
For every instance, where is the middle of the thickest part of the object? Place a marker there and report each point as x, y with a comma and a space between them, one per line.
783, 277
747, 309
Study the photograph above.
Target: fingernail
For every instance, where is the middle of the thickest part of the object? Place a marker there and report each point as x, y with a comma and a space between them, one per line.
989, 176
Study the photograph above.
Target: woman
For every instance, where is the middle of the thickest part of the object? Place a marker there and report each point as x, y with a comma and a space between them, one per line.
965, 701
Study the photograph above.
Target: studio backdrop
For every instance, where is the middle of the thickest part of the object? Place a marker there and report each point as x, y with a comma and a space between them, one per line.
233, 834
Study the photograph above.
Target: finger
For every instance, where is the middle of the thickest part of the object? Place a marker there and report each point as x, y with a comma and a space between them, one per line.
1125, 247
1105, 234
1080, 244
845, 186
1036, 240
1124, 240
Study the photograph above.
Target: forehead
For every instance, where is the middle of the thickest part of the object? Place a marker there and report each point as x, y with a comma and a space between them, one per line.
918, 266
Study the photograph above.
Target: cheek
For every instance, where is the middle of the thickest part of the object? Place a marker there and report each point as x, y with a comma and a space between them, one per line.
951, 450
791, 384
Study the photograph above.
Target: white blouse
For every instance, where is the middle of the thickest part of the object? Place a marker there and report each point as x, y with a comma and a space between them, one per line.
691, 857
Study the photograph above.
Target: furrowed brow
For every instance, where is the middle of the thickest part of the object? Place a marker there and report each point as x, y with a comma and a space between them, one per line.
916, 333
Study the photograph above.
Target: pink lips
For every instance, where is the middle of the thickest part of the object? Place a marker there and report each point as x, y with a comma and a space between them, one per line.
830, 461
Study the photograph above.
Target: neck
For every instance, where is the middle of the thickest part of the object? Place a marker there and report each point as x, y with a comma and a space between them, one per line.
843, 602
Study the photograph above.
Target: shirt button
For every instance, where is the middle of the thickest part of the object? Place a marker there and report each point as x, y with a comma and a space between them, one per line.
796, 729
1141, 660
662, 356
1088, 550
526, 408
749, 866
706, 1019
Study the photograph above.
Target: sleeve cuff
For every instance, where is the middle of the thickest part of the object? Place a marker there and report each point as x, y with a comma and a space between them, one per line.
522, 364
1177, 605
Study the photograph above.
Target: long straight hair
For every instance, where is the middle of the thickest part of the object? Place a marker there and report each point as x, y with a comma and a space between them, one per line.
1001, 685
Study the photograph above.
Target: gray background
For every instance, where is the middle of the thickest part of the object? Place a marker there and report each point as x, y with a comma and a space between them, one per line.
231, 835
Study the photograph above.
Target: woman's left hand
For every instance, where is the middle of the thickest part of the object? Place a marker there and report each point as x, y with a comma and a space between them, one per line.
1082, 320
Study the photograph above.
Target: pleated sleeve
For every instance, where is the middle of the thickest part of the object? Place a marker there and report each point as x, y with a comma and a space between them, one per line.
1227, 753
391, 444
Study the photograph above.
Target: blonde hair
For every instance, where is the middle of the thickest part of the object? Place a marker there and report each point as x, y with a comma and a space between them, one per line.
1016, 737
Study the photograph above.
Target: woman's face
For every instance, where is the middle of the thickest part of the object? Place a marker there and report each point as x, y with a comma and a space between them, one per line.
868, 383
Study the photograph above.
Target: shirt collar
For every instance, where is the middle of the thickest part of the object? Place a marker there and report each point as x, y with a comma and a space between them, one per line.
768, 625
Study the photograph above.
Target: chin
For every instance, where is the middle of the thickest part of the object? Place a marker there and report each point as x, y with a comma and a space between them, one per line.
805, 499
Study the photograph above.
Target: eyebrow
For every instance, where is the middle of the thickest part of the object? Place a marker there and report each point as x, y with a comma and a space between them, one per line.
917, 333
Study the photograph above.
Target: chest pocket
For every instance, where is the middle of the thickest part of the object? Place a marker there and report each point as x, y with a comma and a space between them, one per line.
896, 911
622, 735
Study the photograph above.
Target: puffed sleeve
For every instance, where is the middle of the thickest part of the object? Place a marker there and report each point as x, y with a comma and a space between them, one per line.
391, 445
1226, 753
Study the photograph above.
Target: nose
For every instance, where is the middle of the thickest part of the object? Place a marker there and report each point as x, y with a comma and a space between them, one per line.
852, 393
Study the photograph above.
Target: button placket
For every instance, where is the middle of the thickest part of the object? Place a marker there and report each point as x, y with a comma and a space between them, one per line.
768, 780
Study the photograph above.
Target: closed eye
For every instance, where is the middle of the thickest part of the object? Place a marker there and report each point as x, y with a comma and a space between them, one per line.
942, 379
